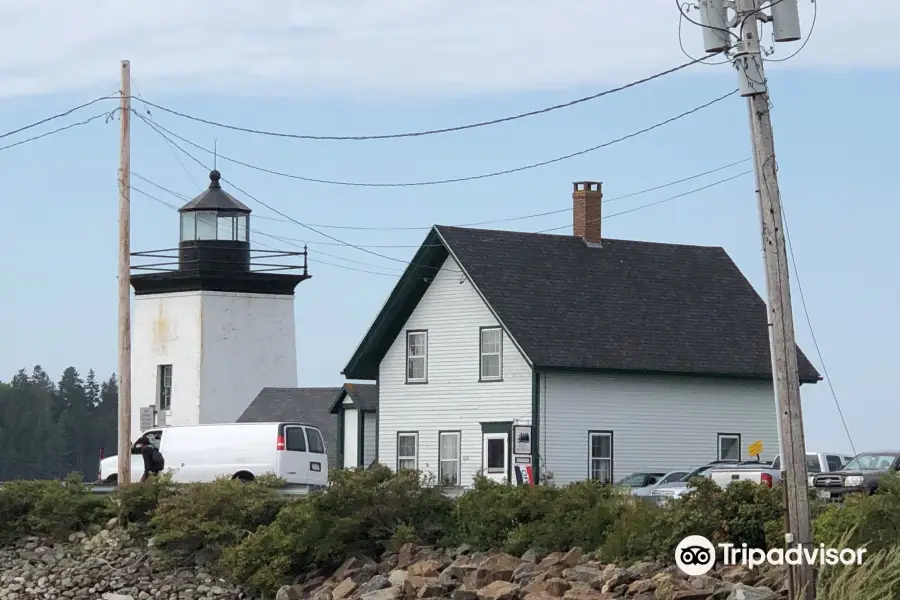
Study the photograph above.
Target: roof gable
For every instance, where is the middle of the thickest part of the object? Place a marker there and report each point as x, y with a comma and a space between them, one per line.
363, 395
621, 306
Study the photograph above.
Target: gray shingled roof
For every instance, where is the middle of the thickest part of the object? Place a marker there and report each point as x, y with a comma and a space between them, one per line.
365, 395
215, 198
626, 306
304, 405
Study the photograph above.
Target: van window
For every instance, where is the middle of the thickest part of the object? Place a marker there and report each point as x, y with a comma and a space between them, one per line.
316, 445
294, 440
812, 463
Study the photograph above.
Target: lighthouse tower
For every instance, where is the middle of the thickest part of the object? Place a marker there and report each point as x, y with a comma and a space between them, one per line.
213, 326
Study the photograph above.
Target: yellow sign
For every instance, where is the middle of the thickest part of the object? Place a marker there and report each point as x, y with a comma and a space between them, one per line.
755, 448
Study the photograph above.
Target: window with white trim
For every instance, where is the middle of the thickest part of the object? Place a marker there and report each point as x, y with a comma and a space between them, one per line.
416, 356
407, 451
600, 449
729, 446
164, 387
448, 458
491, 350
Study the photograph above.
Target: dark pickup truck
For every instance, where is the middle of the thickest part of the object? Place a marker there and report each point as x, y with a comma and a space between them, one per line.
859, 476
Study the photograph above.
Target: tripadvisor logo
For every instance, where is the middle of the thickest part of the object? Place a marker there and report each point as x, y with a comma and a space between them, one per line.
696, 555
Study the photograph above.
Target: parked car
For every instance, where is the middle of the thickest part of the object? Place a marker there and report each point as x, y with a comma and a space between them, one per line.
770, 473
676, 489
862, 475
294, 452
640, 480
667, 478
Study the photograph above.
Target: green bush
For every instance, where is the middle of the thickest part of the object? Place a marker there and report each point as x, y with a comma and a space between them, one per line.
633, 536
872, 521
136, 503
49, 507
360, 513
213, 516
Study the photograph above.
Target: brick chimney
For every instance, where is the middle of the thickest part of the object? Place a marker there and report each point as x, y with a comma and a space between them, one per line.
586, 199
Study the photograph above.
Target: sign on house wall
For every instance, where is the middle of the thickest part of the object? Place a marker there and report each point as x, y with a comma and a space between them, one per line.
522, 439
756, 448
147, 417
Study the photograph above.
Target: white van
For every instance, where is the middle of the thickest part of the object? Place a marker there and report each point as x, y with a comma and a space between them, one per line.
294, 452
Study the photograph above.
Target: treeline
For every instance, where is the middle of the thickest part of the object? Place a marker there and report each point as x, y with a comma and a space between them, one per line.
48, 430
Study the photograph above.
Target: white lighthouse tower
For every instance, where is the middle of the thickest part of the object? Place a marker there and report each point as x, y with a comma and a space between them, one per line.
215, 326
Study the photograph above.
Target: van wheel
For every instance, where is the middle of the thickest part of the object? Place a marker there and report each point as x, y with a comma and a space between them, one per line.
243, 477
111, 480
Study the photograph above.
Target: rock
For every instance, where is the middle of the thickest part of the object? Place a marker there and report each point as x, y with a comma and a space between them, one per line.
111, 596
554, 558
406, 555
641, 586
287, 592
533, 555
431, 590
379, 582
498, 590
343, 589
573, 557
425, 568
746, 592
583, 591
398, 577
463, 594
390, 593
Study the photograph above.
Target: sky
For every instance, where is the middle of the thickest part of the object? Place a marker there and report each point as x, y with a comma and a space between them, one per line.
350, 68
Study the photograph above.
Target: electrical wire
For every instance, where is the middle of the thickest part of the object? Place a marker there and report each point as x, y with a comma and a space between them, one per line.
682, 16
160, 129
314, 258
107, 115
185, 198
664, 200
793, 268
59, 115
812, 27
429, 131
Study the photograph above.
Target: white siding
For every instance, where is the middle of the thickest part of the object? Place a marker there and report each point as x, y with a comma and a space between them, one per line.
370, 437
453, 399
658, 422
223, 348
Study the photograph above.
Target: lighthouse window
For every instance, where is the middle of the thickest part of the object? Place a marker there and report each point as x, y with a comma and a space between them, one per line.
206, 226
243, 229
188, 226
227, 228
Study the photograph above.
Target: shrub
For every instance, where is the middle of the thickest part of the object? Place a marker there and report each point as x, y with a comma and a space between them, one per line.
213, 516
743, 512
878, 577
49, 507
360, 513
136, 503
871, 521
633, 536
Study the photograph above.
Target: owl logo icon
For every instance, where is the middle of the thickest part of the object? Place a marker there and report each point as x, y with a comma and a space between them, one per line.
695, 555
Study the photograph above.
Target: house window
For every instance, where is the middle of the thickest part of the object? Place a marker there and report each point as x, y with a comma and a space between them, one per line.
416, 356
601, 451
729, 446
491, 354
448, 458
407, 451
164, 387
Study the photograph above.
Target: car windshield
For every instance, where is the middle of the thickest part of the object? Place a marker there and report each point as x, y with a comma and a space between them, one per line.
640, 479
673, 477
871, 462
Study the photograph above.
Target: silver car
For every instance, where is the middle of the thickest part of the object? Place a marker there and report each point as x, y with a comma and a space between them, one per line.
679, 488
667, 478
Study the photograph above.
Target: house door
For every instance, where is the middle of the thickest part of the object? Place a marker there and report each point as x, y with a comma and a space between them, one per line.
351, 438
496, 456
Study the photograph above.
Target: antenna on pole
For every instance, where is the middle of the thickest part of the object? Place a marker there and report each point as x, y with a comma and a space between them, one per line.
215, 154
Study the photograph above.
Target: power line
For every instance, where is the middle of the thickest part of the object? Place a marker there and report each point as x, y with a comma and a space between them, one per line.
429, 131
442, 181
58, 115
812, 333
682, 16
107, 115
664, 200
185, 197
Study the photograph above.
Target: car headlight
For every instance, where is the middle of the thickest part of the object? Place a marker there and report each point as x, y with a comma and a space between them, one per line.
853, 481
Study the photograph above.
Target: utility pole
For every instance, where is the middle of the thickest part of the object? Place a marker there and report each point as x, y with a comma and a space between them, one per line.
124, 453
748, 61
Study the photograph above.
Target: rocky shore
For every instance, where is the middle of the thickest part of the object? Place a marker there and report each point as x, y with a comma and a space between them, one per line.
112, 565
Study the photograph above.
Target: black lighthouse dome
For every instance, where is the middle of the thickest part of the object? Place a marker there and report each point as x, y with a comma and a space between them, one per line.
215, 232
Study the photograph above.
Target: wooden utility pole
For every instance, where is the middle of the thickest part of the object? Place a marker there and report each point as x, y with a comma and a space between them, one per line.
787, 377
124, 454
